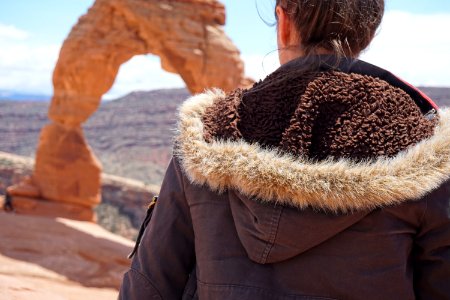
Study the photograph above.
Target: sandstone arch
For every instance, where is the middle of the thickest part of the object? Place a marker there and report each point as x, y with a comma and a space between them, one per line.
188, 37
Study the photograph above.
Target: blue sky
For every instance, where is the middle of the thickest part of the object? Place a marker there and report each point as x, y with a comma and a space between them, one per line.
31, 33
240, 11
48, 20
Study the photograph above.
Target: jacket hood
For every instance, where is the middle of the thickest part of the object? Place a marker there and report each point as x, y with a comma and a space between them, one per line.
344, 190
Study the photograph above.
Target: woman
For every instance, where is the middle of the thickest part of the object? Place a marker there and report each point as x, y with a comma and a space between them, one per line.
330, 179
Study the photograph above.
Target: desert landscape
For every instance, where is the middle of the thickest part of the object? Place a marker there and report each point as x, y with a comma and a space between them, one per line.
81, 171
56, 193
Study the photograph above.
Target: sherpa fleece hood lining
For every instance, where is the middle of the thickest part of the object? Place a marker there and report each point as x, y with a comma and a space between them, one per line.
338, 186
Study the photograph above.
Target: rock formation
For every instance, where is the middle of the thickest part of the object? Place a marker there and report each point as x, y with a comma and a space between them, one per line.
188, 37
50, 259
121, 211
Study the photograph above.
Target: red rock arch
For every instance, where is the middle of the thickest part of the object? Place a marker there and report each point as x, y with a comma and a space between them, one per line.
188, 37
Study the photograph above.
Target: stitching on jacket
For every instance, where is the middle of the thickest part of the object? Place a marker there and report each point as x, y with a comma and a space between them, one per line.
180, 173
274, 224
261, 290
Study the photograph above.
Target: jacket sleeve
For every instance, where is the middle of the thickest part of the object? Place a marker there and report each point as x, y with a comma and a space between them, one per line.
165, 257
432, 248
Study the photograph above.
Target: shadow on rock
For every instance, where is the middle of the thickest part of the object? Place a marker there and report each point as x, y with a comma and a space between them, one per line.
82, 252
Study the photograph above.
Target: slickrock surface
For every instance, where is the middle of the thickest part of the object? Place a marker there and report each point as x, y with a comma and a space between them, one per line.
43, 258
34, 206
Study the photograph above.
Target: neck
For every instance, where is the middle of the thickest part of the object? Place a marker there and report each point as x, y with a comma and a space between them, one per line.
293, 52
290, 53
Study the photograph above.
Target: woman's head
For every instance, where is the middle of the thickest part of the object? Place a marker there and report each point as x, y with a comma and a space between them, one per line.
340, 27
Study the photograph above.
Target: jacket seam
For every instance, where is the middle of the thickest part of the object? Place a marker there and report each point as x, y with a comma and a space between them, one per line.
182, 175
274, 224
422, 219
149, 281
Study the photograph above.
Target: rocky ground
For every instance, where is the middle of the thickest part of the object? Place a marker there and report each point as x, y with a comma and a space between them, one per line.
55, 259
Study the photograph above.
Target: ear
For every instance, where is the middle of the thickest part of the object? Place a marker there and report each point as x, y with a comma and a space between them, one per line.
283, 28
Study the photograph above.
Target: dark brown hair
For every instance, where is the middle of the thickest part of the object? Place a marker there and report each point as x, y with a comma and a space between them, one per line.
344, 27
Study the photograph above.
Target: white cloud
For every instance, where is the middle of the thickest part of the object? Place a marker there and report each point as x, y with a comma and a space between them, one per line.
24, 67
12, 32
414, 47
259, 66
28, 68
142, 73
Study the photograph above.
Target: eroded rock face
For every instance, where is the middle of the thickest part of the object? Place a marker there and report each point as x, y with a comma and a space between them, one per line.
188, 37
66, 170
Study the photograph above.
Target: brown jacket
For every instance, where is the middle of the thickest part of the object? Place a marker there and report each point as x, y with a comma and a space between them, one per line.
259, 219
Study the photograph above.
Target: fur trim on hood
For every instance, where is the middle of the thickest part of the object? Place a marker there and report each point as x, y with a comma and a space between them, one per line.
340, 185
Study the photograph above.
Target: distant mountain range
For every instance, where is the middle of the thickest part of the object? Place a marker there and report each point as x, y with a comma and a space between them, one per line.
132, 135
440, 95
15, 96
